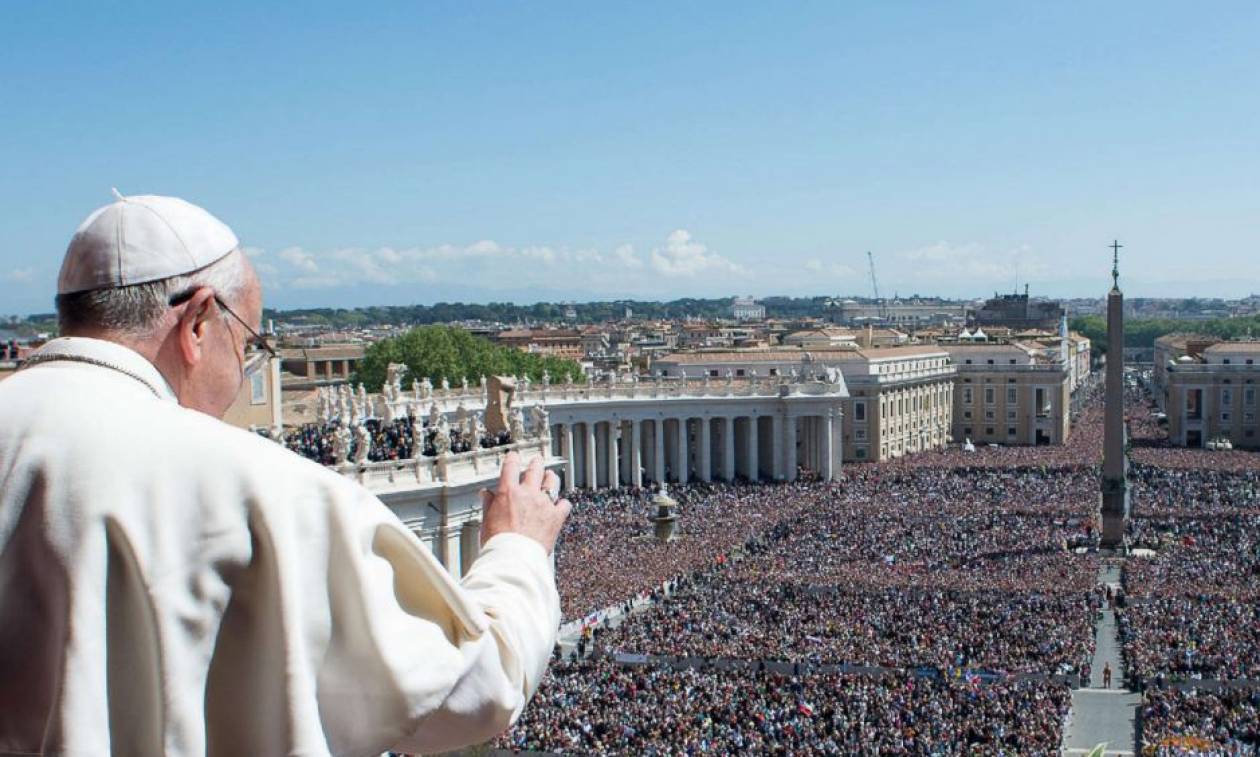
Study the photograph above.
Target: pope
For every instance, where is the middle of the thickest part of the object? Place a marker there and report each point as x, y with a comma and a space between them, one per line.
170, 584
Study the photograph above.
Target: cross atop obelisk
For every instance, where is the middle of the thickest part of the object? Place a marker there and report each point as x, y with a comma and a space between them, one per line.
1115, 263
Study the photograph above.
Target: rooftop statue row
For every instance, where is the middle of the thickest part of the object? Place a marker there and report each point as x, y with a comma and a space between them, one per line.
349, 428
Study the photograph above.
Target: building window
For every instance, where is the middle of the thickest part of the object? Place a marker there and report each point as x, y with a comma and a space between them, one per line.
990, 361
989, 395
1227, 397
966, 398
967, 414
859, 434
1011, 415
774, 371
968, 361
1010, 431
989, 415
1012, 361
989, 431
1249, 396
1012, 395
1225, 361
258, 387
859, 411
861, 453
967, 431
739, 372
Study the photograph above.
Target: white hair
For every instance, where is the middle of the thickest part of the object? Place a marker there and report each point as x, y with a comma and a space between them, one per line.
135, 310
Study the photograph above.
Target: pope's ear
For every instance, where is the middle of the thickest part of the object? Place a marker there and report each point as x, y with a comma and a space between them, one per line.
194, 324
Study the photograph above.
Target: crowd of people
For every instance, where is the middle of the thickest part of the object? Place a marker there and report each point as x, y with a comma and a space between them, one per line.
594, 706
908, 520
401, 439
1224, 721
1083, 449
1190, 608
900, 568
607, 553
957, 570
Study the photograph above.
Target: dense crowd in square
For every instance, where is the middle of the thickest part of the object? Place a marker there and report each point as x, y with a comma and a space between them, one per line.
1192, 610
597, 707
1195, 721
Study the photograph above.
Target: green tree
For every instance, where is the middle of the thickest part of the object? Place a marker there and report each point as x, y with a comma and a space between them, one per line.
1143, 332
446, 352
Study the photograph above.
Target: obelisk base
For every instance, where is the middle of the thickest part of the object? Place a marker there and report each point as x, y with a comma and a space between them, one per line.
1115, 513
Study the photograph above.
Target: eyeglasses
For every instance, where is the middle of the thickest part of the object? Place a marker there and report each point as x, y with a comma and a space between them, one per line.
255, 339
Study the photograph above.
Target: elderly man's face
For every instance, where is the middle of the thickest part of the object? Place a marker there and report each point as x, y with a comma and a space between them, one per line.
214, 382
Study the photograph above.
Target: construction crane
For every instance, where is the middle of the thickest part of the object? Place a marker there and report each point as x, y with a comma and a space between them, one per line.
879, 302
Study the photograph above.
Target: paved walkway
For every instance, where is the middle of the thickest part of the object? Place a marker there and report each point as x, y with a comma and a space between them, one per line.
1103, 715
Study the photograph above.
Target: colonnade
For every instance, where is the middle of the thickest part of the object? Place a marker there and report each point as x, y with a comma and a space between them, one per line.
619, 452
455, 545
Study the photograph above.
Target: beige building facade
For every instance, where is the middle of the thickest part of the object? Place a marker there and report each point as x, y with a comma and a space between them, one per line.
329, 364
1010, 394
899, 402
1209, 395
258, 403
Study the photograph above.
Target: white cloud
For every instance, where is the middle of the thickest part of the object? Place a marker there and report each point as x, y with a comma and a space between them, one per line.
969, 266
490, 265
20, 275
299, 259
683, 256
834, 270
627, 257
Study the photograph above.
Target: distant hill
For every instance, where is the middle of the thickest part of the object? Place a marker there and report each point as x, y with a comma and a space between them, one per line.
507, 312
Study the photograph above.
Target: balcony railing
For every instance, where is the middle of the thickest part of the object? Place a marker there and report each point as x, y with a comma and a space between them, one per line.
479, 463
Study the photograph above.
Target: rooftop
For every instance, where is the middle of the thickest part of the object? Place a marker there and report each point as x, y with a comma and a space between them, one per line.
1233, 347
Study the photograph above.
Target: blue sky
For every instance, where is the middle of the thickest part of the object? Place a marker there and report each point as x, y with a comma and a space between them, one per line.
394, 154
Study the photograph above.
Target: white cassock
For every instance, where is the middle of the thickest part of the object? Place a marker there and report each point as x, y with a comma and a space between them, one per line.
170, 584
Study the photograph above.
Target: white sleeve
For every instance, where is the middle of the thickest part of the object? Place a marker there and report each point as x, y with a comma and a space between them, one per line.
440, 664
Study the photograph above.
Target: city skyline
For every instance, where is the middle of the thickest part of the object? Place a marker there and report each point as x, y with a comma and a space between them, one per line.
573, 153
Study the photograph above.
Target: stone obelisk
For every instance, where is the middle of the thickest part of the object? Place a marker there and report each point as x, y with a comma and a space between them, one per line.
1115, 484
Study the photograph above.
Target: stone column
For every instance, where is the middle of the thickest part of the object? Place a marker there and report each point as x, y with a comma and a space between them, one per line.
754, 472
566, 443
704, 452
776, 447
728, 448
680, 465
624, 451
592, 469
658, 443
789, 448
636, 453
829, 441
469, 545
450, 551
614, 461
